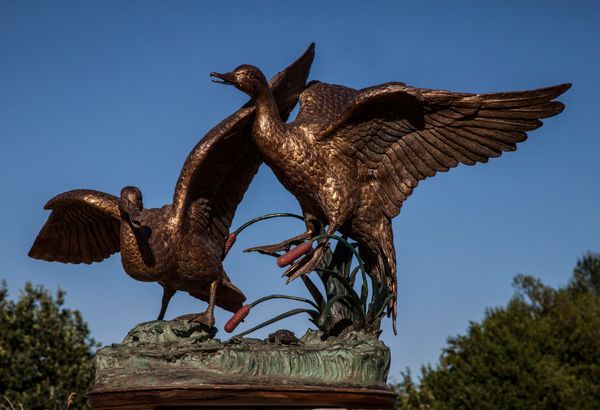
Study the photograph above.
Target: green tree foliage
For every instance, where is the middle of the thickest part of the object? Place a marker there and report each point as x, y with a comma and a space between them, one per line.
45, 351
541, 351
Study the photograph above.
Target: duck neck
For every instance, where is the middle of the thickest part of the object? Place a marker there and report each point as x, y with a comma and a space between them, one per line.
136, 256
268, 127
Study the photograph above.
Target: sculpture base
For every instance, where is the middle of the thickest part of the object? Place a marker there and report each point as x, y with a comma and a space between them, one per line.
243, 397
176, 364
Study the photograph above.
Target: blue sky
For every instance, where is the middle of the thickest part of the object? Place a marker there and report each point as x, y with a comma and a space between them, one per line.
106, 94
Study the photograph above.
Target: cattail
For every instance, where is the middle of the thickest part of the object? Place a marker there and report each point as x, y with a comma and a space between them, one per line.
237, 318
294, 254
229, 241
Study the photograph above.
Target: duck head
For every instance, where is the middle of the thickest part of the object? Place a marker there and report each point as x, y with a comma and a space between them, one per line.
246, 78
130, 205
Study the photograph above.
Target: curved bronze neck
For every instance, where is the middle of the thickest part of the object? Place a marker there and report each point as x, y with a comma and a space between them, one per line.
268, 126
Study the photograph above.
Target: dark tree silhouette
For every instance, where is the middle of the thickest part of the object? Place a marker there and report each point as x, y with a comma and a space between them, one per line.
541, 351
45, 351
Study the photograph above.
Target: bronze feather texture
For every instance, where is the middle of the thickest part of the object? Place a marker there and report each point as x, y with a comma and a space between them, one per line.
352, 157
180, 245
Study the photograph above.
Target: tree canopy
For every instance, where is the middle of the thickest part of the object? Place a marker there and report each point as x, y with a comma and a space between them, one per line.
541, 351
45, 351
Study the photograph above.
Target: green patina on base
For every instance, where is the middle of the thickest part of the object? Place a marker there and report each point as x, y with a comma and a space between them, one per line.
181, 353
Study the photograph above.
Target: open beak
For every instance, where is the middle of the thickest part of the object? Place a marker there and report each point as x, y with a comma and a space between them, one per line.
135, 218
132, 213
227, 78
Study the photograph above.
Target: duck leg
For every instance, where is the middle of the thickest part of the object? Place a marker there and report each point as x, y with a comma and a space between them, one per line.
313, 228
210, 310
166, 298
207, 317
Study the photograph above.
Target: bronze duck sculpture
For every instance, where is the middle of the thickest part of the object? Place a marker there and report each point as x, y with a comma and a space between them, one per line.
181, 245
352, 157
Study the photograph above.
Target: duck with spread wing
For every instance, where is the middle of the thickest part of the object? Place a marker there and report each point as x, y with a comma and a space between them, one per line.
181, 245
352, 157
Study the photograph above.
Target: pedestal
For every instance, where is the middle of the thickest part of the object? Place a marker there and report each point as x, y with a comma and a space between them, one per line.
176, 365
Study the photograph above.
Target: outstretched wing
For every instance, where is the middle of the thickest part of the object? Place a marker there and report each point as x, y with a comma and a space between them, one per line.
221, 166
402, 134
287, 85
82, 227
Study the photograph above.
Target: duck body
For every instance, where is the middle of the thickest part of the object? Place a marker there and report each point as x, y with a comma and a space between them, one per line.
180, 258
339, 197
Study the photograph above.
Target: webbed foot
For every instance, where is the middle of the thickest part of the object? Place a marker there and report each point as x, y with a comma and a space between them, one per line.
270, 249
205, 318
283, 246
278, 247
307, 264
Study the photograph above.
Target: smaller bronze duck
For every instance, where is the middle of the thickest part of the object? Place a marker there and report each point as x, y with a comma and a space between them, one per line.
181, 245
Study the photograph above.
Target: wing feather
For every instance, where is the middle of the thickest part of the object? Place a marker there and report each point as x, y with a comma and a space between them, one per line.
65, 244
75, 231
104, 238
409, 174
85, 254
441, 161
75, 244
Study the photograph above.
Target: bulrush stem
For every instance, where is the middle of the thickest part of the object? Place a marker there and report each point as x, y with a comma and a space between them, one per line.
345, 242
241, 314
364, 288
267, 216
276, 319
232, 237
289, 297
